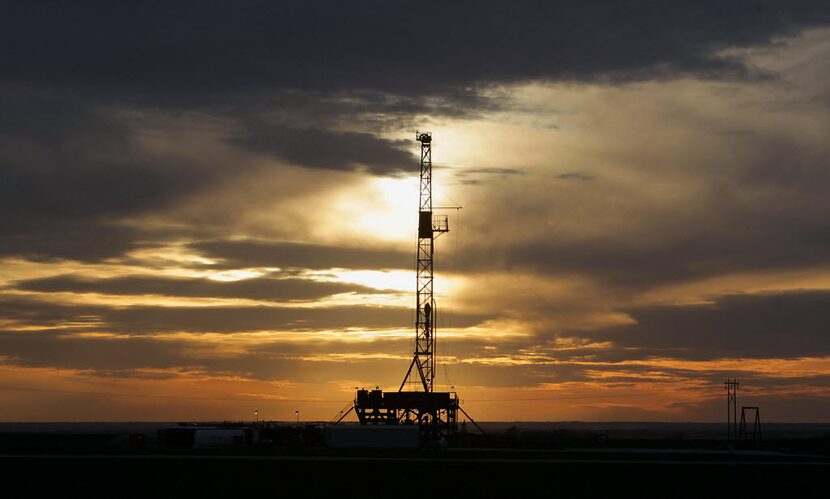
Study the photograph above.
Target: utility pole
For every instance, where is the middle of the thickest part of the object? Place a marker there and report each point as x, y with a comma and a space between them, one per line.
731, 411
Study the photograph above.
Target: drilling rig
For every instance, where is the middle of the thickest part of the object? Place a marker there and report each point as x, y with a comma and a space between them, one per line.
429, 228
436, 413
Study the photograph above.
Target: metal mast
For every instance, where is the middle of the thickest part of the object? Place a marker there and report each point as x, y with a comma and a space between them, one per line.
435, 413
424, 358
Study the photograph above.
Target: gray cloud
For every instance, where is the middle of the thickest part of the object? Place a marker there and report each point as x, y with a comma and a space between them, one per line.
50, 349
233, 319
263, 288
329, 150
627, 264
157, 319
476, 176
782, 325
127, 357
240, 254
71, 170
575, 176
789, 325
759, 212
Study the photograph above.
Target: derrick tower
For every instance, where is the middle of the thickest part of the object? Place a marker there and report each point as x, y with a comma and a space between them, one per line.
429, 227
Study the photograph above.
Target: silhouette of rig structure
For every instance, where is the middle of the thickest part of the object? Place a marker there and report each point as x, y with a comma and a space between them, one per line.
739, 432
436, 413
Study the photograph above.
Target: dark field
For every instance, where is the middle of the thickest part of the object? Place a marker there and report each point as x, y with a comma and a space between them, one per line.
491, 475
555, 460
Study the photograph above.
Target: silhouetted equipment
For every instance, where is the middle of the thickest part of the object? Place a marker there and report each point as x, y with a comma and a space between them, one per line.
429, 227
743, 434
731, 410
343, 413
738, 431
423, 408
436, 413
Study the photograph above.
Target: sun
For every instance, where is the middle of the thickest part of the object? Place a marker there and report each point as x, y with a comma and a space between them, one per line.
380, 209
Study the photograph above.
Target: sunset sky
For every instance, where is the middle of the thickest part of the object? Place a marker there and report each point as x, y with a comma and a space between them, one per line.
211, 207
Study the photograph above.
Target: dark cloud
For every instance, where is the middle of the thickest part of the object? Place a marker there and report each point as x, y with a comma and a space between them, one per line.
65, 159
627, 264
54, 185
309, 361
39, 314
460, 172
71, 170
180, 49
240, 254
126, 357
787, 325
575, 176
329, 150
48, 239
783, 325
313, 84
50, 349
235, 319
262, 288
746, 223
220, 319
284, 75
476, 176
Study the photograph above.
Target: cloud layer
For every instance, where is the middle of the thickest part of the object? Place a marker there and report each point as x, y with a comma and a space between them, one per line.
218, 199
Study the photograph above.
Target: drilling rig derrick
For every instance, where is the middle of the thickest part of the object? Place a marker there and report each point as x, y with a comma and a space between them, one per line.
436, 413
429, 227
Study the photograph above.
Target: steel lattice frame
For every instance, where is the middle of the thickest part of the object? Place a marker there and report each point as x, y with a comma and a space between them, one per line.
424, 358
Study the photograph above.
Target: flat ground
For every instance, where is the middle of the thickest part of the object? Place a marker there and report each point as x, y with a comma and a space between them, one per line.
490, 473
97, 461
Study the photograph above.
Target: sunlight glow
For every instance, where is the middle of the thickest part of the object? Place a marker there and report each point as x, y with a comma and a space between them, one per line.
174, 253
235, 275
397, 280
378, 209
